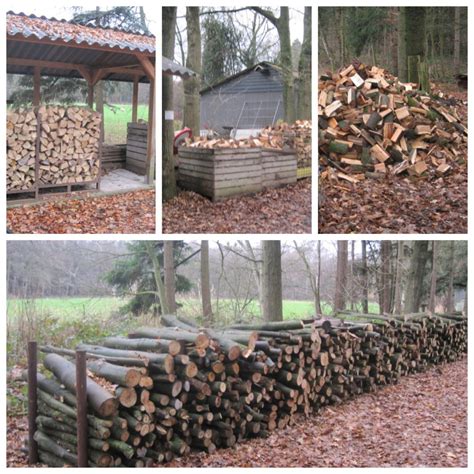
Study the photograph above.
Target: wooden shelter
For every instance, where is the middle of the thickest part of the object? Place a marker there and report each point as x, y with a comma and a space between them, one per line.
40, 46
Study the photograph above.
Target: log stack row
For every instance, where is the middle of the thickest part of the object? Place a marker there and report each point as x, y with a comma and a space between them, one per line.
21, 149
68, 146
161, 392
370, 124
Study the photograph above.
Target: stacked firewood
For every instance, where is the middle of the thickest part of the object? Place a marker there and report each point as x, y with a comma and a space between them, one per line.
372, 125
283, 136
163, 391
21, 149
69, 145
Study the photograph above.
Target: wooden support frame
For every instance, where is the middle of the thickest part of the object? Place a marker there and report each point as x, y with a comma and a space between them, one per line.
150, 149
37, 86
33, 457
135, 99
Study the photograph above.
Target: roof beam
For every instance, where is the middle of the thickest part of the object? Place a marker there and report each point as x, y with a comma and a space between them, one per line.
88, 73
147, 66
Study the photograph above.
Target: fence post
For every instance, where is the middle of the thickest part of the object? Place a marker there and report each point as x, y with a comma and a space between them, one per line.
32, 401
81, 396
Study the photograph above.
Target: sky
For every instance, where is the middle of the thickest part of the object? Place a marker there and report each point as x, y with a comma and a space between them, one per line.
296, 24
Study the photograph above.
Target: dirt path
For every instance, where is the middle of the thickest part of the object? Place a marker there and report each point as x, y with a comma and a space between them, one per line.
421, 422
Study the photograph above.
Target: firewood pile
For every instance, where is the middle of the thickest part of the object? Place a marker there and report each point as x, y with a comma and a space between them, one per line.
68, 146
281, 137
21, 149
372, 125
69, 149
163, 391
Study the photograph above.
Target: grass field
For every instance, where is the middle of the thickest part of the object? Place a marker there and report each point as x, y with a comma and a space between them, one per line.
116, 119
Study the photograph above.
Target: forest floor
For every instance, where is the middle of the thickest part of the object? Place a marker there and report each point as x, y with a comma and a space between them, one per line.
422, 422
399, 204
285, 210
127, 213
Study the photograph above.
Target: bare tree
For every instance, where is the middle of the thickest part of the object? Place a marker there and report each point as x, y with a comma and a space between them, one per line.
314, 277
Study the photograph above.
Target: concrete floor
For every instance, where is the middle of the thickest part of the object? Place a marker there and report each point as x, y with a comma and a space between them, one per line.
122, 180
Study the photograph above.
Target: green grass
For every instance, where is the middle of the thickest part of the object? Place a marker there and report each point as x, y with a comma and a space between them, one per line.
67, 308
116, 119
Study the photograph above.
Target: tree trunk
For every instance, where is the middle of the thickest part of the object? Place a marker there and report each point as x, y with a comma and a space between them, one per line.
282, 25
398, 279
304, 70
457, 40
160, 287
386, 278
415, 46
351, 273
170, 277
365, 279
191, 114
205, 284
341, 276
271, 281
450, 296
415, 276
434, 269
319, 310
169, 179
402, 49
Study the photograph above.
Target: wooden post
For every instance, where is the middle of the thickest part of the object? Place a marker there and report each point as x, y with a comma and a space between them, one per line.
90, 95
37, 86
81, 396
150, 150
32, 402
135, 99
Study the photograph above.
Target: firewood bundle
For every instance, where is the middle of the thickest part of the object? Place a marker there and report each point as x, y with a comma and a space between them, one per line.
163, 391
296, 135
21, 149
372, 125
69, 145
283, 136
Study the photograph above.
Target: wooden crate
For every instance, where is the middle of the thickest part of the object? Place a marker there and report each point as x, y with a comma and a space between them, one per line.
113, 156
224, 172
137, 138
278, 167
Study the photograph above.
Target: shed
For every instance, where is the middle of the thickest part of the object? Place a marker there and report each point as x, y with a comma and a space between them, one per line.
250, 99
47, 46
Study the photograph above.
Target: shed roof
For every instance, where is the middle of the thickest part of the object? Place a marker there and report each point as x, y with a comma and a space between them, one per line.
175, 69
256, 67
33, 39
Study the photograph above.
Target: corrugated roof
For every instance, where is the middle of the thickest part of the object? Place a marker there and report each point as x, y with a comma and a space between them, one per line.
260, 65
19, 24
170, 67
